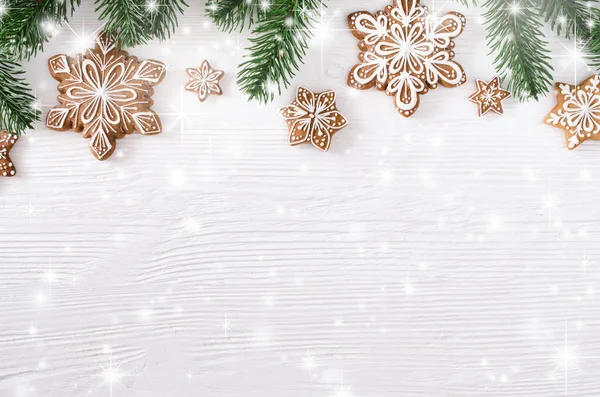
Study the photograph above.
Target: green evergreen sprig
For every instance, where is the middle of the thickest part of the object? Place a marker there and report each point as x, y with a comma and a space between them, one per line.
592, 44
18, 111
568, 17
516, 38
514, 34
230, 15
280, 38
27, 25
135, 22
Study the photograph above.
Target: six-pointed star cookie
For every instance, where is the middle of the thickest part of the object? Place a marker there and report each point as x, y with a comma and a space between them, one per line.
7, 141
406, 51
105, 94
313, 118
577, 111
204, 80
489, 96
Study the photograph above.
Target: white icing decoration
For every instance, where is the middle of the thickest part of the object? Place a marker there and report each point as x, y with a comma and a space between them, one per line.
579, 114
105, 94
204, 81
7, 140
313, 117
406, 51
59, 64
489, 96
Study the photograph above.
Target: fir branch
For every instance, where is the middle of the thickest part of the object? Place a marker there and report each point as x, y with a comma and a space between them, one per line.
514, 34
571, 16
17, 106
592, 44
281, 40
124, 21
163, 17
134, 23
231, 15
27, 25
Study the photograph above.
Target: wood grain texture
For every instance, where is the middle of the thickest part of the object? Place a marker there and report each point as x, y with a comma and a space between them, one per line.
443, 255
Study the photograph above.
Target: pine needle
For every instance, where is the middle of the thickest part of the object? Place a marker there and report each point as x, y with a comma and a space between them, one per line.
133, 22
570, 17
279, 43
18, 110
514, 34
27, 25
230, 15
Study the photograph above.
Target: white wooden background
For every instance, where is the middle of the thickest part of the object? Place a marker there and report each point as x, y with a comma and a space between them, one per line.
443, 255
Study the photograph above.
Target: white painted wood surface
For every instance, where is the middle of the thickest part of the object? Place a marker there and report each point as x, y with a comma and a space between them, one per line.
443, 255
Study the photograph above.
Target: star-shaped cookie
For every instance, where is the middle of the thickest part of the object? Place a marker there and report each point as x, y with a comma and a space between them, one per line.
406, 51
313, 118
577, 111
7, 141
105, 94
204, 80
489, 96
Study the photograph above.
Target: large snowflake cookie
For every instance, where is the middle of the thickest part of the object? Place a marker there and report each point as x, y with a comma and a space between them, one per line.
406, 51
577, 111
313, 117
105, 94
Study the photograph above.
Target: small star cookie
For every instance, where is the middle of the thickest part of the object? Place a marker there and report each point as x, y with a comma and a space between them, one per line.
7, 141
313, 118
577, 111
204, 80
489, 96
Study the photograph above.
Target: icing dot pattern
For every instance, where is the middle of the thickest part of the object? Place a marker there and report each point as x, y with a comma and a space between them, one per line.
577, 111
7, 141
204, 81
105, 94
313, 117
406, 52
489, 96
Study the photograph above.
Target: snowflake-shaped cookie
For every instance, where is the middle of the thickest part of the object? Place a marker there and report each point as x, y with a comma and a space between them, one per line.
406, 51
105, 93
313, 118
489, 96
577, 111
7, 141
204, 80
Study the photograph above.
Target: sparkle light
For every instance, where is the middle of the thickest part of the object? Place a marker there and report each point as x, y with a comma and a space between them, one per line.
514, 8
151, 6
585, 263
408, 286
225, 326
308, 362
342, 390
265, 5
111, 375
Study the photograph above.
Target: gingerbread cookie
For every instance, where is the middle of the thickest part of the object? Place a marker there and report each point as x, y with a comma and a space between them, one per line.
205, 81
489, 96
313, 118
577, 111
7, 141
105, 94
406, 51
